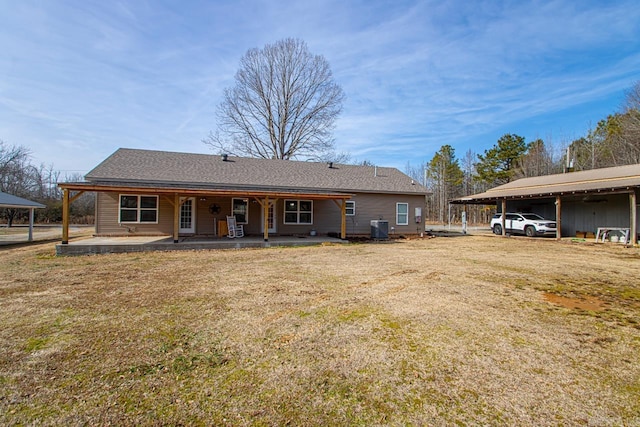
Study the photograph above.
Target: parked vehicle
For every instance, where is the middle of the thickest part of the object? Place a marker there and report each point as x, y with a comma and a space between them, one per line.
529, 224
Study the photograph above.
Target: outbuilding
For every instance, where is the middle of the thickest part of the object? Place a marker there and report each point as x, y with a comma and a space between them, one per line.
9, 201
593, 201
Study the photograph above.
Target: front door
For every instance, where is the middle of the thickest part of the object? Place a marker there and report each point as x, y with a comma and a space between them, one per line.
188, 215
271, 218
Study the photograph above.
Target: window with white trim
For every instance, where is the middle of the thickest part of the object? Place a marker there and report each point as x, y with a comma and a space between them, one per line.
136, 209
298, 212
240, 209
402, 213
350, 208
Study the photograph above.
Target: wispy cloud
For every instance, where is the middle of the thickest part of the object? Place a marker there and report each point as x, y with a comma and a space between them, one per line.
78, 80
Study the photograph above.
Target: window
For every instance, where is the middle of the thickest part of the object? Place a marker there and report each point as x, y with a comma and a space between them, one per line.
350, 208
138, 209
240, 209
402, 213
298, 212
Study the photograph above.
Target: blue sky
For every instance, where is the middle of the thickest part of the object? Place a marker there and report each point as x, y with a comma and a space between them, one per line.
78, 79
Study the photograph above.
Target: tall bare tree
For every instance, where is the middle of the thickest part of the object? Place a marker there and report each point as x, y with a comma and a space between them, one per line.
283, 105
536, 161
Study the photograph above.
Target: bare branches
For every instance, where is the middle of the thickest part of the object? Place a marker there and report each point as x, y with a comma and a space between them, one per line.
284, 105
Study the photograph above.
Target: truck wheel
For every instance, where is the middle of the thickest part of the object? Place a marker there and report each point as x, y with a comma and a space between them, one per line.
530, 231
497, 229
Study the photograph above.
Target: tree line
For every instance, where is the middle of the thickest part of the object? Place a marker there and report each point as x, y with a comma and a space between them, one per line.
615, 141
20, 177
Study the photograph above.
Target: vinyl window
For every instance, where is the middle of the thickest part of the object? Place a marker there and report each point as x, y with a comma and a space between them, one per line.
350, 208
402, 213
298, 212
240, 209
136, 209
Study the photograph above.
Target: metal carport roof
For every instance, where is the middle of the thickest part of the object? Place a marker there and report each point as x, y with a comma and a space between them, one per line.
620, 179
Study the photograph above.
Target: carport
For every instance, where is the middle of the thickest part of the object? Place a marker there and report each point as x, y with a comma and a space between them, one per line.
9, 201
585, 200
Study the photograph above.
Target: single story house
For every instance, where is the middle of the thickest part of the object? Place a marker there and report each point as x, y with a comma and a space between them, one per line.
580, 202
9, 201
147, 192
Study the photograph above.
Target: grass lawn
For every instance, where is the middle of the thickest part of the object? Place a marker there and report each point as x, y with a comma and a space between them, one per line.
464, 330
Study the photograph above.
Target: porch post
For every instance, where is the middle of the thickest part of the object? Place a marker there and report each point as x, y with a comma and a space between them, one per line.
65, 216
633, 218
265, 210
176, 218
504, 217
31, 224
558, 218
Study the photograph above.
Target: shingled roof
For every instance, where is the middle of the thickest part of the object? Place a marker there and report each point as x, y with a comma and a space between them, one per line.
614, 179
162, 168
10, 201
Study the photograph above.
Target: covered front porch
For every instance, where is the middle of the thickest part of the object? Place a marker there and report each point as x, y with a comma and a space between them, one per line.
171, 205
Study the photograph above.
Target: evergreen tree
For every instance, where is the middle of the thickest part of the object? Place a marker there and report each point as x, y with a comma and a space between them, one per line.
497, 165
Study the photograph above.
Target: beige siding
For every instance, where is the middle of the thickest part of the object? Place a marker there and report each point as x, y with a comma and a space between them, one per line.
383, 206
107, 218
205, 218
326, 216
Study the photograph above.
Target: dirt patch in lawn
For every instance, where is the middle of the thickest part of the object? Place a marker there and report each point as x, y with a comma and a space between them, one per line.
436, 331
591, 304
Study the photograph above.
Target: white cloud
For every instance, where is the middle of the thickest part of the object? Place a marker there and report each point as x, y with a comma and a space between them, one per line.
417, 74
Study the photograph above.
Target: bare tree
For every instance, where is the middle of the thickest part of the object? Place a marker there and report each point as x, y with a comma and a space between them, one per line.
284, 105
17, 175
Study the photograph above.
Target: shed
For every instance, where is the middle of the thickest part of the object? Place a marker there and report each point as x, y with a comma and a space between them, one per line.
10, 201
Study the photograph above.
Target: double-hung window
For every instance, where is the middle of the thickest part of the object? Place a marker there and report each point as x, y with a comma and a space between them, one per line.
350, 208
298, 212
138, 209
240, 210
402, 213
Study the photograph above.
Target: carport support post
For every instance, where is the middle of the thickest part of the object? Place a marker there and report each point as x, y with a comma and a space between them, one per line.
558, 218
31, 224
633, 218
504, 217
65, 216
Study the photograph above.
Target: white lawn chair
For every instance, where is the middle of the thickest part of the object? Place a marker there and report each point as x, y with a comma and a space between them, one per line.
234, 229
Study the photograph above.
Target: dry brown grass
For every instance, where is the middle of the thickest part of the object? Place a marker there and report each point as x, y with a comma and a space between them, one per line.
425, 332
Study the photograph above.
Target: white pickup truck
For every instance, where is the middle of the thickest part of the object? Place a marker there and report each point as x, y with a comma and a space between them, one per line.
529, 224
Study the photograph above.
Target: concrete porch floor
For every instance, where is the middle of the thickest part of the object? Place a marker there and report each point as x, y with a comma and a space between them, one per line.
106, 245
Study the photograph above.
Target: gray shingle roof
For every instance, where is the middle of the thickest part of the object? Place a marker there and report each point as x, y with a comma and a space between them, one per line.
11, 201
605, 179
134, 166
